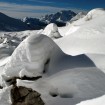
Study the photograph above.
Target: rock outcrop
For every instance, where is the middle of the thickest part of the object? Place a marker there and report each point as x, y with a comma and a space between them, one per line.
25, 96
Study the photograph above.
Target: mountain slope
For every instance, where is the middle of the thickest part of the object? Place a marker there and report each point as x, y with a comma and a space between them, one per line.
34, 23
10, 24
62, 16
59, 18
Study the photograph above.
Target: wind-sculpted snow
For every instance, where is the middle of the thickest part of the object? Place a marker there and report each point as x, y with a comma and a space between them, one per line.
31, 56
5, 98
10, 40
96, 101
51, 30
37, 51
69, 86
96, 12
89, 38
38, 55
78, 16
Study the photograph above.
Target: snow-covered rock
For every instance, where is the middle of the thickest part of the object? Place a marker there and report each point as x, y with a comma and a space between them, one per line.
51, 30
31, 56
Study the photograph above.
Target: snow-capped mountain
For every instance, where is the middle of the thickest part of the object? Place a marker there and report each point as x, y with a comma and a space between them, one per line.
59, 17
11, 24
34, 23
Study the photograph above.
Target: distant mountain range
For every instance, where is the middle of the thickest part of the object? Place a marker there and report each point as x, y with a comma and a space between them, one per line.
10, 24
34, 23
59, 17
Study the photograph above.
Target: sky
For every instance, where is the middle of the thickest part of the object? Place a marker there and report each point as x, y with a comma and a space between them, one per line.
38, 8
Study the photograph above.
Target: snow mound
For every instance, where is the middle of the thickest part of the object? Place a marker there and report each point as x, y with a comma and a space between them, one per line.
5, 98
68, 29
78, 16
51, 30
31, 55
69, 86
95, 13
10, 40
81, 21
37, 55
96, 101
88, 39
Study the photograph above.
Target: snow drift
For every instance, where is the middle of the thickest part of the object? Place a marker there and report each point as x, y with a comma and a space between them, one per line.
37, 51
51, 30
88, 37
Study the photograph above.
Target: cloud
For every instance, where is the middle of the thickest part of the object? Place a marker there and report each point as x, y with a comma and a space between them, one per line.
20, 10
40, 1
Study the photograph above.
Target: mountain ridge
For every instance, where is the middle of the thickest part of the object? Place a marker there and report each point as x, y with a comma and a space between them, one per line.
8, 23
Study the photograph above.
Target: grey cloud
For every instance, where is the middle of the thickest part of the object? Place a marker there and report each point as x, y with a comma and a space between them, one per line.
20, 11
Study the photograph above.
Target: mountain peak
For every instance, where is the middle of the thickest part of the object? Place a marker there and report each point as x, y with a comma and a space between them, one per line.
62, 16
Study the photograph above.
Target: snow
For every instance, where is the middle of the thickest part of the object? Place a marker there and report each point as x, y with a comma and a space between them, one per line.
31, 56
97, 101
51, 30
88, 39
78, 16
68, 64
5, 98
68, 29
3, 61
73, 84
96, 12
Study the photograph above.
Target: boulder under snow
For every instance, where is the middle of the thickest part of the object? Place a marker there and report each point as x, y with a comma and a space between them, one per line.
51, 31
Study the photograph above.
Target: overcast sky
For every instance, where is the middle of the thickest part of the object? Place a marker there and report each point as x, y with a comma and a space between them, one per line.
37, 8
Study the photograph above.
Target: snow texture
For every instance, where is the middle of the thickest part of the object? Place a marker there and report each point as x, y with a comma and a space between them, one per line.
67, 64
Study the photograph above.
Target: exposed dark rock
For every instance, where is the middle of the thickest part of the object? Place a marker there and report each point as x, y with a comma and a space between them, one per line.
25, 96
